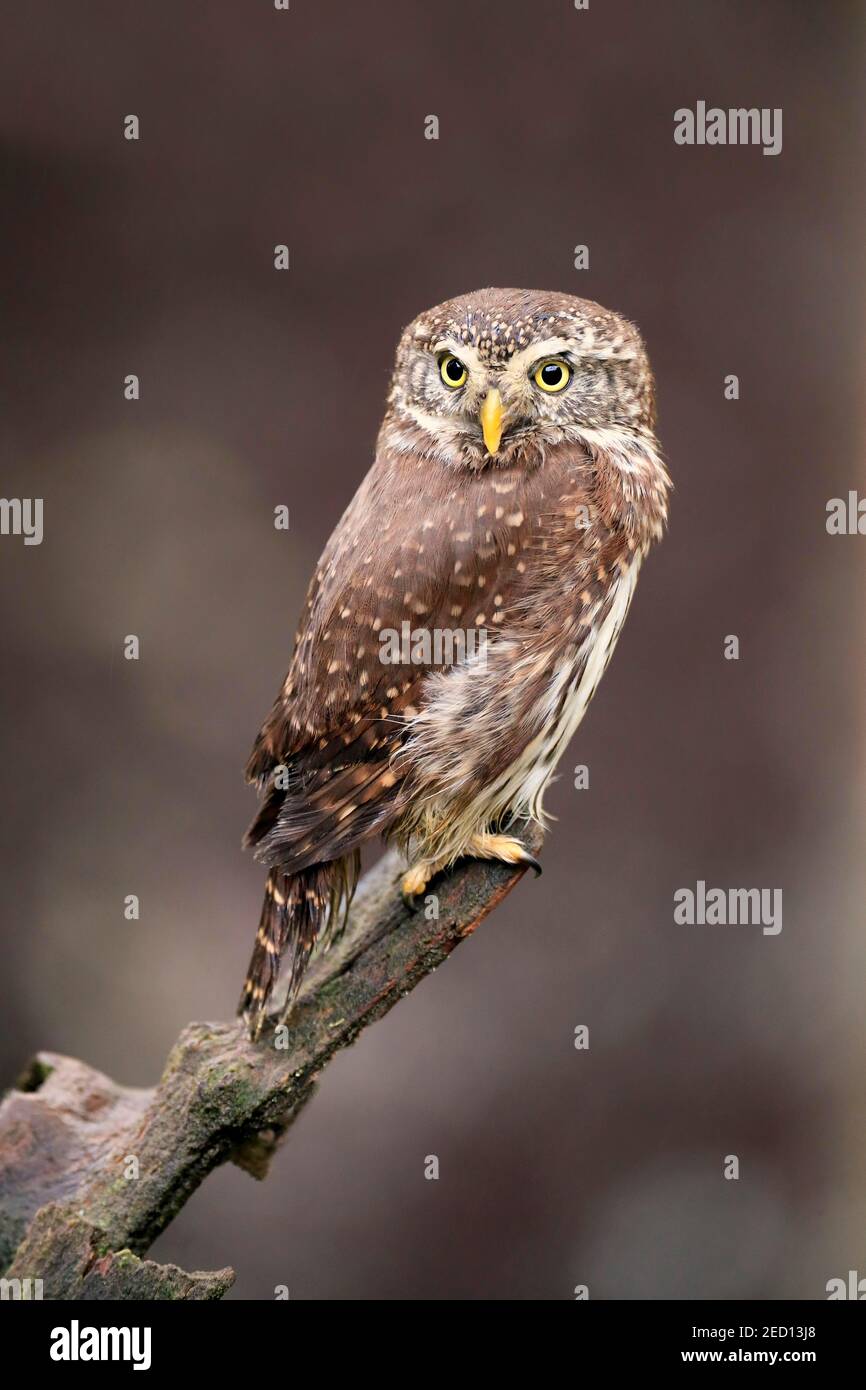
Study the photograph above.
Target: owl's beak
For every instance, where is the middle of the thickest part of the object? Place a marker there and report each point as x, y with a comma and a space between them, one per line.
491, 420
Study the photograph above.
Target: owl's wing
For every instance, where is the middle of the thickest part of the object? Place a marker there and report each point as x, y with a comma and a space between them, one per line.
420, 550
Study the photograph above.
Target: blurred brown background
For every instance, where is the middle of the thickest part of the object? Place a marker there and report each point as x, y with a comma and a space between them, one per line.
258, 127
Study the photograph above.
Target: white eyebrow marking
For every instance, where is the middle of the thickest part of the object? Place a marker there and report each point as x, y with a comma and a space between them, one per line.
555, 347
547, 347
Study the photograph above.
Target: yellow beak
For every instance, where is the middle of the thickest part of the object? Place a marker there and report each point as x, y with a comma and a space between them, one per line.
491, 420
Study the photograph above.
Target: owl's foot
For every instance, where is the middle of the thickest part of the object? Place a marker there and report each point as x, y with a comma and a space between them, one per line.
416, 878
506, 848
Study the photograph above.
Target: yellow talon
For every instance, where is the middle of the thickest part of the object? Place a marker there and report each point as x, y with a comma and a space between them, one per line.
506, 848
415, 880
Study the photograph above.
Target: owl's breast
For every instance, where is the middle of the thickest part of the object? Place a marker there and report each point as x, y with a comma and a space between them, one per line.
563, 704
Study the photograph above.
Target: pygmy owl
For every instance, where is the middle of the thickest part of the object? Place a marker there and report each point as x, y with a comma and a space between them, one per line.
516, 488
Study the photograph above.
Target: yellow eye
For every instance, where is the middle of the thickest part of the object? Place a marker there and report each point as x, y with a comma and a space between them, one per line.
552, 376
452, 370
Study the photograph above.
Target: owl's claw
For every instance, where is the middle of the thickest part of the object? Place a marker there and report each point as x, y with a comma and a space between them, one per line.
414, 882
506, 848
533, 864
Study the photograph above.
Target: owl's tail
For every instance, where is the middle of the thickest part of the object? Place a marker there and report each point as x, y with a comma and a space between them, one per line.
298, 910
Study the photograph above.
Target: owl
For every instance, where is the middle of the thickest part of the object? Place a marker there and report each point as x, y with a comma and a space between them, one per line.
462, 613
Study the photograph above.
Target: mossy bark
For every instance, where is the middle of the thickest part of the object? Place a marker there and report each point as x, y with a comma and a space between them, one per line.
92, 1172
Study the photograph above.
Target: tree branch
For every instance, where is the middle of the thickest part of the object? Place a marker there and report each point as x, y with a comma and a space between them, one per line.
92, 1172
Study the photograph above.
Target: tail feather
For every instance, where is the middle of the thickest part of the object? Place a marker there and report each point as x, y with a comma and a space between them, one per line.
299, 910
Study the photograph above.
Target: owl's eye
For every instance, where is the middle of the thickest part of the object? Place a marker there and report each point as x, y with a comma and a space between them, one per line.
452, 370
553, 376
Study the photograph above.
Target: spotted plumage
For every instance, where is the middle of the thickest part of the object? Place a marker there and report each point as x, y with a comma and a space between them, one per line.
513, 496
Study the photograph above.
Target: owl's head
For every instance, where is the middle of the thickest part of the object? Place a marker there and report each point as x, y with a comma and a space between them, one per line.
502, 375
